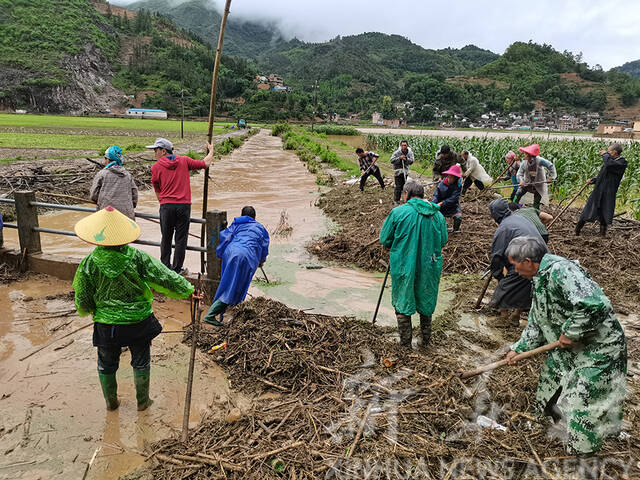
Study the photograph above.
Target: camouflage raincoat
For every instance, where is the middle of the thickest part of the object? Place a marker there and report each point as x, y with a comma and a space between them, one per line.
591, 376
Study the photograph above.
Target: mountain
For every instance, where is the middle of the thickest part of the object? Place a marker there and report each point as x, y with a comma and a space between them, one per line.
369, 57
632, 68
90, 56
241, 38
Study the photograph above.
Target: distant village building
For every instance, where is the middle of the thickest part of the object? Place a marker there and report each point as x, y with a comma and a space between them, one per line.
275, 79
636, 127
264, 86
145, 113
609, 129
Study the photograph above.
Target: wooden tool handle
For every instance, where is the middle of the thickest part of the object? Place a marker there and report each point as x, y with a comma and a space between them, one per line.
502, 363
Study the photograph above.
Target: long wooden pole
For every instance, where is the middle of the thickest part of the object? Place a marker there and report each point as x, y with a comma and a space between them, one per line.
212, 103
484, 290
502, 363
195, 327
568, 204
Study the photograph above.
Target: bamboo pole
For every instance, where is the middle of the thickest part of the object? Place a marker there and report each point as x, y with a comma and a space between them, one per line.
212, 103
569, 204
502, 363
195, 327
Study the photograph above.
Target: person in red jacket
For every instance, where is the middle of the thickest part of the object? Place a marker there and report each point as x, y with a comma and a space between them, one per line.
170, 179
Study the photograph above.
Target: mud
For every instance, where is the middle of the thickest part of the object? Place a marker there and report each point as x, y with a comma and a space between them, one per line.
53, 413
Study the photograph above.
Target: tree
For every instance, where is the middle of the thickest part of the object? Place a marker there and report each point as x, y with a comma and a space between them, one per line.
386, 108
506, 106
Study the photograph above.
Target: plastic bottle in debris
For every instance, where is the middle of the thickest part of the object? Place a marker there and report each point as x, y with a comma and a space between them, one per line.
489, 423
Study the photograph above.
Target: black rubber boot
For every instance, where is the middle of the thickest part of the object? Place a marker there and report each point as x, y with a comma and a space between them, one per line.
404, 329
425, 329
603, 229
457, 221
579, 226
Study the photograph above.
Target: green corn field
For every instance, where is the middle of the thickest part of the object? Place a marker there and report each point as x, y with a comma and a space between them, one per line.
576, 160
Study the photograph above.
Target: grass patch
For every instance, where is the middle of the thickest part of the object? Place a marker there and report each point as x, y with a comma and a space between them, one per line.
61, 121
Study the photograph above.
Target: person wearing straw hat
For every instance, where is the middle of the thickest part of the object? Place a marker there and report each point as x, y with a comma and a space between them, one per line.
447, 195
532, 175
113, 284
114, 185
172, 184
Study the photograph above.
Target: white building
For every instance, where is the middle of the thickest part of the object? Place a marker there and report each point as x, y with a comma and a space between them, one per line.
145, 113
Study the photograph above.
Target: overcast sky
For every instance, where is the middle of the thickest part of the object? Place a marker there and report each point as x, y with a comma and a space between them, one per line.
605, 31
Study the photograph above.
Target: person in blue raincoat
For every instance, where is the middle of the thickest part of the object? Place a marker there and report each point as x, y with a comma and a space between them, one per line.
243, 248
415, 233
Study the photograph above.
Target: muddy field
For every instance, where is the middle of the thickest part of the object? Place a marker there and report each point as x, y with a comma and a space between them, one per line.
340, 399
613, 261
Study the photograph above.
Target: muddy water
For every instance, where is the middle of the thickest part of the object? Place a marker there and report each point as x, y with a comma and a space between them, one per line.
277, 184
53, 416
353, 141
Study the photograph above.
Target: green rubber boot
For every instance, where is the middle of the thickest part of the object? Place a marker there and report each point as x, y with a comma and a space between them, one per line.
109, 390
141, 379
216, 308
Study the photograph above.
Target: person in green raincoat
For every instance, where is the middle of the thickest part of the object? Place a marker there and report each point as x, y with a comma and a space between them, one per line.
415, 232
113, 283
583, 383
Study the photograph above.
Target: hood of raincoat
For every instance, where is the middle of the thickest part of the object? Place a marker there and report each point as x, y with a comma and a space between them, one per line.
423, 207
168, 161
113, 261
499, 209
243, 219
117, 170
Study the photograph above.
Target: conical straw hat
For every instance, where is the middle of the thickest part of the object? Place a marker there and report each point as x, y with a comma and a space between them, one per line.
108, 228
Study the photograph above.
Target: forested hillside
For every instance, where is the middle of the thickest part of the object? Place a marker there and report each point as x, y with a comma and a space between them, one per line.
632, 68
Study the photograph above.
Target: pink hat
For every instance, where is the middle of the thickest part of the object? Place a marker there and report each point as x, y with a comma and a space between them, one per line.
533, 149
454, 170
510, 155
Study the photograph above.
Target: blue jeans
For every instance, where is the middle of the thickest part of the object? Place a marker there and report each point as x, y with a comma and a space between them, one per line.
109, 358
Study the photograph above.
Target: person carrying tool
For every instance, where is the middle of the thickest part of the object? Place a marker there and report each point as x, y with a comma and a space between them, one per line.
514, 165
243, 248
532, 177
582, 384
401, 159
415, 232
447, 196
445, 159
513, 293
113, 284
114, 185
367, 161
602, 201
170, 179
538, 218
475, 173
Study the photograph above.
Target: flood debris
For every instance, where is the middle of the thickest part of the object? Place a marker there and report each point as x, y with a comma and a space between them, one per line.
612, 261
337, 409
9, 274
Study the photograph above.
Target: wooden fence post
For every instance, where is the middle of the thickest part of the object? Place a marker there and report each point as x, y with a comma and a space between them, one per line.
27, 219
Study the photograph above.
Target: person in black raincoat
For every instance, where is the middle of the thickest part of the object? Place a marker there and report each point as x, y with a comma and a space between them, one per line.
513, 293
602, 201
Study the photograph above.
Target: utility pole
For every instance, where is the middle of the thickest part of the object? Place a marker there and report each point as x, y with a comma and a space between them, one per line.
315, 103
182, 119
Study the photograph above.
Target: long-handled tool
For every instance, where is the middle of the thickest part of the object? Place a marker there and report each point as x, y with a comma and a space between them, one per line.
384, 283
363, 174
502, 363
512, 185
265, 274
212, 104
484, 290
195, 327
569, 204
95, 162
